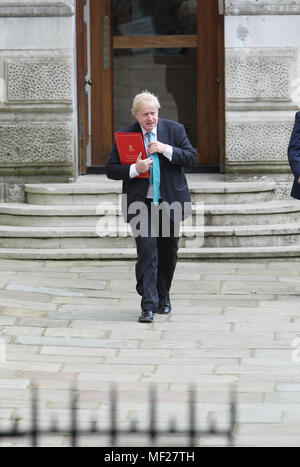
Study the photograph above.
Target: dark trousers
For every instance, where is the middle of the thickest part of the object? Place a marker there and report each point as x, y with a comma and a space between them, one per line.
157, 259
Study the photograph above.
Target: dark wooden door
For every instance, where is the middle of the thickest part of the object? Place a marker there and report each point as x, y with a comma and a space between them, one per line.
174, 48
82, 96
102, 83
211, 89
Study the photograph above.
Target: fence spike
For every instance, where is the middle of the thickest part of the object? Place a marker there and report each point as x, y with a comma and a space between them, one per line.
113, 415
212, 423
172, 425
192, 415
94, 426
233, 416
133, 426
73, 431
35, 429
54, 425
152, 404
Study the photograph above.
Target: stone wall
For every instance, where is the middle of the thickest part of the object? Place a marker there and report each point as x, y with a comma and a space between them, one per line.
37, 107
262, 86
262, 7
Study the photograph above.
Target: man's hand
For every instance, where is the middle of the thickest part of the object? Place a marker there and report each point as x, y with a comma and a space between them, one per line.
156, 147
299, 180
143, 165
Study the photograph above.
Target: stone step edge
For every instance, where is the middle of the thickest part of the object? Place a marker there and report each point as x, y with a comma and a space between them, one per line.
104, 188
266, 207
125, 230
130, 253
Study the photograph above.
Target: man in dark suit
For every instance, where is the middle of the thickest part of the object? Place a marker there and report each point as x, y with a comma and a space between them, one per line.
294, 157
168, 150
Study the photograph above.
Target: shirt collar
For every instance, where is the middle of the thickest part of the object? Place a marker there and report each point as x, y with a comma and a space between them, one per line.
154, 131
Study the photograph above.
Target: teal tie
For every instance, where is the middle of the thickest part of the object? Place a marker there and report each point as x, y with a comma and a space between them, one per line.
154, 172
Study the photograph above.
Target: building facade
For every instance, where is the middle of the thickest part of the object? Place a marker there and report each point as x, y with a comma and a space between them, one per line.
229, 71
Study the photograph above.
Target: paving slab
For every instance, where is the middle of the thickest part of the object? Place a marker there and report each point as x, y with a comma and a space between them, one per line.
234, 324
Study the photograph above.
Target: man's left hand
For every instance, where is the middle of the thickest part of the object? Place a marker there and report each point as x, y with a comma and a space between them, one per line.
156, 147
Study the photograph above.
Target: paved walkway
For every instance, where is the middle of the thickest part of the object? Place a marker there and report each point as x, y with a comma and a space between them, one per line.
76, 322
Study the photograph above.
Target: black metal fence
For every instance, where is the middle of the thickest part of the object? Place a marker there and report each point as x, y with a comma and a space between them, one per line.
192, 434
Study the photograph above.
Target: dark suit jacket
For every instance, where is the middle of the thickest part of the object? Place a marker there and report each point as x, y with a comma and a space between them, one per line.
173, 185
294, 156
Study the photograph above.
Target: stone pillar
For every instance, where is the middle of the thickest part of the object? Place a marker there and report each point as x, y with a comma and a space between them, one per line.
262, 83
37, 112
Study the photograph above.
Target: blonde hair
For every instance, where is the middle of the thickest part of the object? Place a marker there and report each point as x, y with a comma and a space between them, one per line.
143, 97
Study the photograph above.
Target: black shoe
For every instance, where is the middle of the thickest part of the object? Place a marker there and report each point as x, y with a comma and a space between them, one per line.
146, 316
164, 306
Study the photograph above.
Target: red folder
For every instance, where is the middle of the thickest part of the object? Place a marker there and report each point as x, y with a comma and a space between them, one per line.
129, 146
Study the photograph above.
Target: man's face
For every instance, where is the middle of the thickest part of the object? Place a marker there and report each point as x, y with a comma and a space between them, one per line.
147, 116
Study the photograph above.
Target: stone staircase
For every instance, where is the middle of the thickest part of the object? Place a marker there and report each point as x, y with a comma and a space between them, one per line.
77, 220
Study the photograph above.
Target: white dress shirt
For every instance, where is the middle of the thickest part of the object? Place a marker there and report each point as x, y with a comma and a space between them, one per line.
168, 153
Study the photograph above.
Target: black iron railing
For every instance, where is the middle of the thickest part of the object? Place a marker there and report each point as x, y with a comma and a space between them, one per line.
192, 434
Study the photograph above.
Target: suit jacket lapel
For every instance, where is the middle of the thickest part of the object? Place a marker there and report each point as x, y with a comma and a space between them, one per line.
162, 136
137, 128
161, 132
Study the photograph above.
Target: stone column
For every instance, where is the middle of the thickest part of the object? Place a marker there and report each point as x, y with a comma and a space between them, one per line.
37, 116
262, 83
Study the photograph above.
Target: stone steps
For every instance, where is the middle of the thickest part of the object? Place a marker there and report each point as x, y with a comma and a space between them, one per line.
270, 212
205, 254
207, 237
78, 237
109, 191
83, 221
